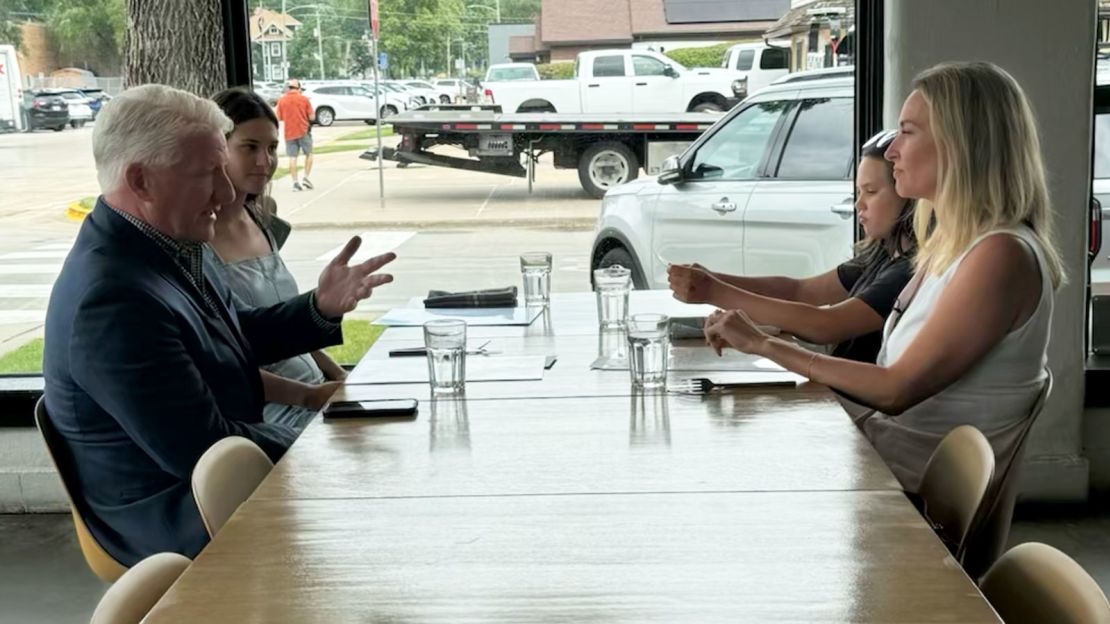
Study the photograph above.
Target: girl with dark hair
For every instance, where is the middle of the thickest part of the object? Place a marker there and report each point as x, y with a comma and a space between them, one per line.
846, 306
244, 253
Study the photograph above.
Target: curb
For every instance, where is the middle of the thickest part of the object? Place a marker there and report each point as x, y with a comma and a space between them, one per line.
569, 224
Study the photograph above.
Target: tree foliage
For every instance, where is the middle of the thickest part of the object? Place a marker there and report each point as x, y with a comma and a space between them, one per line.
418, 35
555, 71
89, 33
710, 56
89, 29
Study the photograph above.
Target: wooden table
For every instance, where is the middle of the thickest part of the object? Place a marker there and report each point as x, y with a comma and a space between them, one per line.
573, 499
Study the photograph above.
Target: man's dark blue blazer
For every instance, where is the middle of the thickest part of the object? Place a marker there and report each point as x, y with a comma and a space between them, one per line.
142, 377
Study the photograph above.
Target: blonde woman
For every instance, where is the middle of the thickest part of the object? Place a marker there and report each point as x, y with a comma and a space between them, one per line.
967, 339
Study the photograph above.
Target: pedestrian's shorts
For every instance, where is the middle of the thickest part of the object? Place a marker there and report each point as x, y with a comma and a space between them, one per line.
302, 145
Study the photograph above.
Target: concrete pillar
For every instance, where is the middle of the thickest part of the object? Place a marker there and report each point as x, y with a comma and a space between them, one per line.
1049, 49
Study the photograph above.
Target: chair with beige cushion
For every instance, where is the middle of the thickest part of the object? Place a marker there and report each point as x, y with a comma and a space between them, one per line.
1035, 583
991, 529
225, 476
139, 589
100, 562
954, 483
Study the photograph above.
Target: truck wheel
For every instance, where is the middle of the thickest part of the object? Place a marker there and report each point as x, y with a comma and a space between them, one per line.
708, 107
605, 165
325, 116
619, 255
443, 99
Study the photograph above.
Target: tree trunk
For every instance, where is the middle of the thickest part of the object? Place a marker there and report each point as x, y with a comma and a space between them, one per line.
179, 43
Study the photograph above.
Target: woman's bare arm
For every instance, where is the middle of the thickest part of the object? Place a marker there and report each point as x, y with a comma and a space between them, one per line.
990, 295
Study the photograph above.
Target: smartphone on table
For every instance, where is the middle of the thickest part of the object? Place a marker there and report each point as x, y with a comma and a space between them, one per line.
391, 408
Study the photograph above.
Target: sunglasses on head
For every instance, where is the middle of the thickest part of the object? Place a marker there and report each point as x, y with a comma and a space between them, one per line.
880, 140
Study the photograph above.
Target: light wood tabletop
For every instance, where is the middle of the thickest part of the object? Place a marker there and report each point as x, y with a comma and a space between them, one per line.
575, 499
747, 557
775, 440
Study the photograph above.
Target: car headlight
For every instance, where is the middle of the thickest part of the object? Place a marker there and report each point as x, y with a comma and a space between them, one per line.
740, 87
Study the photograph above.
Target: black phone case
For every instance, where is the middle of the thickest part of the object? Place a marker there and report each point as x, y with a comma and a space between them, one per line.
354, 409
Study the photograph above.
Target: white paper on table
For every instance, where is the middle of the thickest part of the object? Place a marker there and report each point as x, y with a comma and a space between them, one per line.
478, 369
700, 359
415, 317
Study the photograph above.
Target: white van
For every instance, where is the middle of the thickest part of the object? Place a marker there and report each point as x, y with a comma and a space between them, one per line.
11, 91
756, 65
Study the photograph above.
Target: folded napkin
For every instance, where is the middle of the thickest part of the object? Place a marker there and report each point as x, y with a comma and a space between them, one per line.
491, 298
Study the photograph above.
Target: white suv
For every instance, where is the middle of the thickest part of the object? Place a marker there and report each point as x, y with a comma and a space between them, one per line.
766, 191
333, 102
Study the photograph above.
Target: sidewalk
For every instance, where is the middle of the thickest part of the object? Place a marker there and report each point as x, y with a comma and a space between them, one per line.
418, 196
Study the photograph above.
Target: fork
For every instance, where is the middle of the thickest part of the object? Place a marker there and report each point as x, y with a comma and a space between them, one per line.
704, 385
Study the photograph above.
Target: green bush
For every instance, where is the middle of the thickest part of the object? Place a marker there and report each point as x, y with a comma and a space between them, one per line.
710, 56
555, 71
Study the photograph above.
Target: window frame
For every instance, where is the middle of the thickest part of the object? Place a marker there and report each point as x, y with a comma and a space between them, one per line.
763, 166
796, 113
624, 65
635, 74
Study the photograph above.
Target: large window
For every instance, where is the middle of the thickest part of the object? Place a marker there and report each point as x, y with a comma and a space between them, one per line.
454, 228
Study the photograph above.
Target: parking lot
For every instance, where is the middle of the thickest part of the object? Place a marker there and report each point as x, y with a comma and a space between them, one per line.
452, 230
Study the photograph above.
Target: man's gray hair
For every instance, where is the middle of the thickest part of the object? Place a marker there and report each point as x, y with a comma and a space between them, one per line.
146, 125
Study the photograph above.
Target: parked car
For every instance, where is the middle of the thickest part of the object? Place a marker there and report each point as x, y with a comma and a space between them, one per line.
767, 190
621, 81
505, 72
344, 102
454, 87
45, 110
412, 99
269, 91
444, 96
755, 66
423, 95
97, 99
80, 110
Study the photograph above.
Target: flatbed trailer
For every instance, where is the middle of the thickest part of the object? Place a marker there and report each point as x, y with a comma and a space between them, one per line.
606, 149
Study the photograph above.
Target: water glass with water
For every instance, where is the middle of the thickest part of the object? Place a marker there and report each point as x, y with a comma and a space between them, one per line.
536, 270
612, 285
648, 350
445, 341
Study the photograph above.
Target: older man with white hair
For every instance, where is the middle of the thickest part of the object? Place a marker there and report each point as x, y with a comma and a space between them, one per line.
148, 362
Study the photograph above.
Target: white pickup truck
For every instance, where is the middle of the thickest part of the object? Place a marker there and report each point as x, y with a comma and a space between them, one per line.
755, 66
620, 81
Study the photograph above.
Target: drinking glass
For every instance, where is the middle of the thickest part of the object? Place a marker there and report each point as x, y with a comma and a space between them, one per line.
445, 341
648, 350
535, 268
612, 285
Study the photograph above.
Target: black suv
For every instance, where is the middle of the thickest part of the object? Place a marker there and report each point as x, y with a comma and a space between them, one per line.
44, 110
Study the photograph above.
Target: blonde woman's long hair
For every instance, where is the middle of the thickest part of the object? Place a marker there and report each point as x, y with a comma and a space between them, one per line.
989, 169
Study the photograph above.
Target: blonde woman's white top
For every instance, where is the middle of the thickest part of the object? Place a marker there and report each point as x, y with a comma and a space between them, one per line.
995, 396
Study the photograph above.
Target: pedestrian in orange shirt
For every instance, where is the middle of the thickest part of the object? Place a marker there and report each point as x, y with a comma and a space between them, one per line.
295, 112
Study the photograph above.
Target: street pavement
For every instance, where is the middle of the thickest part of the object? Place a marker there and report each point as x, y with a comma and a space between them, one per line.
452, 230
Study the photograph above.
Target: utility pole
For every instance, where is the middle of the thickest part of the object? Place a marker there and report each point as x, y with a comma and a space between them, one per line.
320, 43
284, 44
448, 57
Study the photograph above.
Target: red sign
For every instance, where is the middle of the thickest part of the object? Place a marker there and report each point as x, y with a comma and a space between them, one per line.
375, 24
